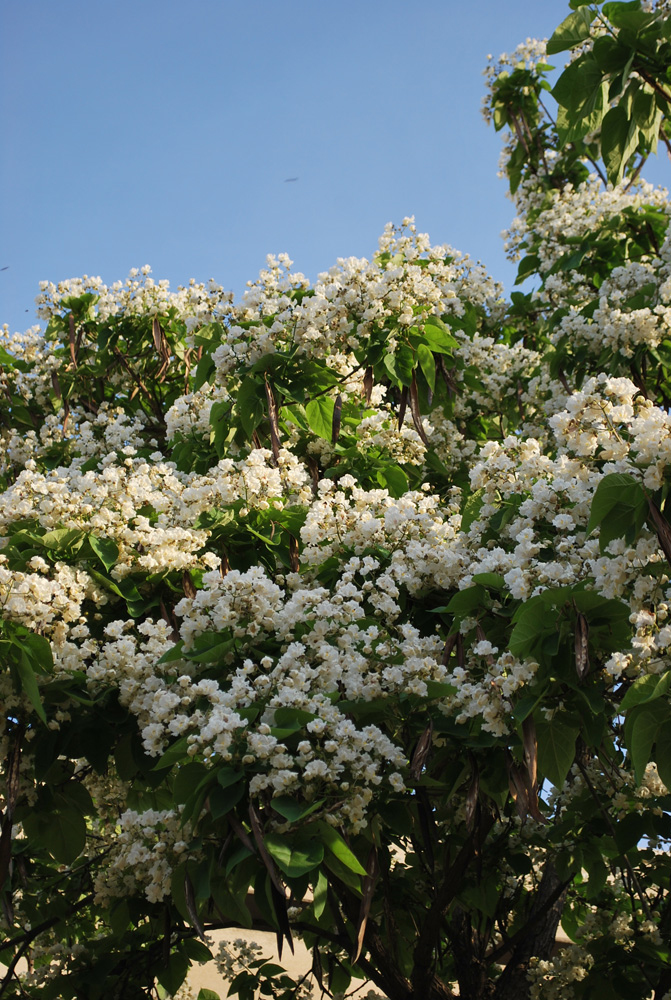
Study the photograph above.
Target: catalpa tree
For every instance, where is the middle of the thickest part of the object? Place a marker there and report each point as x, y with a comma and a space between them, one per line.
343, 611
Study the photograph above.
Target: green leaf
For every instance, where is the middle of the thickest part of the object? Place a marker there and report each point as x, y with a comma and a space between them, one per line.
556, 748
320, 891
629, 16
204, 994
187, 779
37, 648
319, 414
619, 507
233, 904
212, 647
196, 950
226, 776
494, 580
472, 509
579, 88
219, 424
400, 365
76, 795
222, 800
532, 624
204, 370
644, 109
106, 549
29, 684
619, 139
438, 336
394, 479
174, 754
172, 977
646, 688
571, 32
65, 835
175, 653
466, 600
610, 54
292, 810
295, 856
528, 265
570, 129
63, 538
598, 873
250, 404
439, 689
337, 846
293, 718
663, 755
427, 363
643, 733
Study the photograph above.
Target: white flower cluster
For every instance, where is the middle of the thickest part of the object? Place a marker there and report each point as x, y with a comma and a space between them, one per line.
44, 599
147, 507
527, 55
140, 295
147, 847
405, 283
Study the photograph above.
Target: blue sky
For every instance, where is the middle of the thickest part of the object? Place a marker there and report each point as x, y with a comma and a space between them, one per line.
162, 132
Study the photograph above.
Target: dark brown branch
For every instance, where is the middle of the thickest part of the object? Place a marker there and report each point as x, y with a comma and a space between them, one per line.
544, 918
429, 935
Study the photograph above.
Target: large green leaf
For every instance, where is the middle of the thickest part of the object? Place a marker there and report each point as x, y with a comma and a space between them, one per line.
250, 404
643, 733
571, 32
579, 87
428, 365
106, 549
319, 414
619, 508
438, 336
619, 139
610, 54
64, 836
472, 508
37, 648
646, 688
29, 684
337, 846
533, 622
663, 755
222, 800
556, 748
296, 855
292, 810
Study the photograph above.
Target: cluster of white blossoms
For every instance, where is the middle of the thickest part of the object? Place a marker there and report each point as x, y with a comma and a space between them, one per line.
527, 55
149, 508
140, 295
555, 977
147, 847
52, 958
190, 413
403, 444
48, 597
89, 436
610, 421
406, 282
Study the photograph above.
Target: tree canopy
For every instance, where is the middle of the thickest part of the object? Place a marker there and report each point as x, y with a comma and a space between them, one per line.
343, 610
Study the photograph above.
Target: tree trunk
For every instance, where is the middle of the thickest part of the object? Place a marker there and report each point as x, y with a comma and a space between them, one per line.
539, 942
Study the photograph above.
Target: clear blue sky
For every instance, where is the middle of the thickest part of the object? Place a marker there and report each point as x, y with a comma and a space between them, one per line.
161, 132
